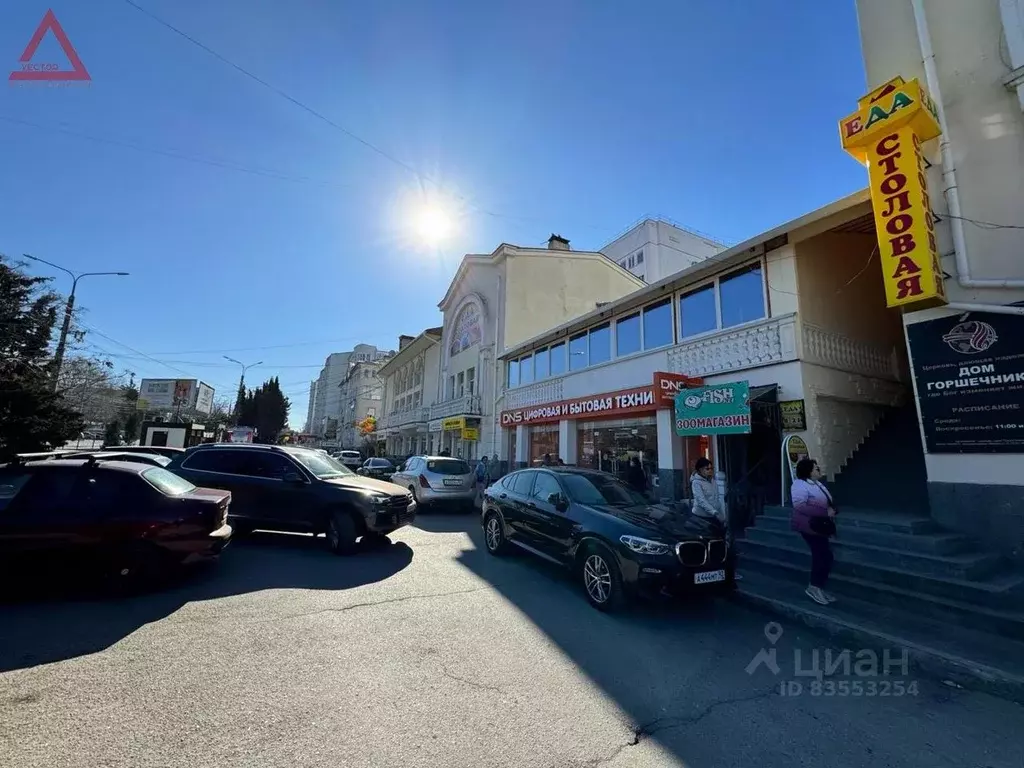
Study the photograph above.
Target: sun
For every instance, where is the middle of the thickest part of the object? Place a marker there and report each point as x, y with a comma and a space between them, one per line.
432, 224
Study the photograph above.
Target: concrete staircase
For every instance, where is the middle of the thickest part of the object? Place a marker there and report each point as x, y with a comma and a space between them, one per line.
901, 581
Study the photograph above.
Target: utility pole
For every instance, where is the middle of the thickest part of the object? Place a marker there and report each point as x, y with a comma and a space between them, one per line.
69, 308
241, 383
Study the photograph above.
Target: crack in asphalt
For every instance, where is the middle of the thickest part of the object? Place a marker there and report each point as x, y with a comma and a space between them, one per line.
474, 683
386, 601
650, 728
666, 723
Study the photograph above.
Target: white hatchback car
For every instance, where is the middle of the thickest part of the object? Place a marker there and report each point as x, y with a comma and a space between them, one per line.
351, 459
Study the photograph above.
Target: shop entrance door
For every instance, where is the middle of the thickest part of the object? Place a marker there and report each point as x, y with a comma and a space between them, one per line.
753, 463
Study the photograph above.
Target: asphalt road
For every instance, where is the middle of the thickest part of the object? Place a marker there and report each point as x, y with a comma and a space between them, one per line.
429, 652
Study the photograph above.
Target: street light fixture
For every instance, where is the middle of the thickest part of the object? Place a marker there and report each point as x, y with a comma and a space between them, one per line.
241, 379
58, 357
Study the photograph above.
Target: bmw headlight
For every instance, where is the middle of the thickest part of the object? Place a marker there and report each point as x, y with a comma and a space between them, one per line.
645, 546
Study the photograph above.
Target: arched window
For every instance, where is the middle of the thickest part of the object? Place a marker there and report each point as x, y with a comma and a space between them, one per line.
466, 331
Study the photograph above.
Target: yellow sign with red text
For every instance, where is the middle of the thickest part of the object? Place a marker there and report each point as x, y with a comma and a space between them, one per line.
886, 132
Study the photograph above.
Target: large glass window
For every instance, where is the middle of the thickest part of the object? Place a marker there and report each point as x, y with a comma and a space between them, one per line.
543, 440
600, 344
578, 352
742, 296
513, 373
470, 381
658, 325
627, 335
697, 312
526, 369
558, 359
541, 364
610, 444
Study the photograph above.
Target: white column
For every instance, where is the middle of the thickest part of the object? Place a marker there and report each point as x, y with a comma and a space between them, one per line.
522, 447
671, 457
567, 441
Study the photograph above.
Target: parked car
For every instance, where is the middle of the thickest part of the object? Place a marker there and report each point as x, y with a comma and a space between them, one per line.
382, 469
283, 488
128, 518
438, 480
613, 538
160, 450
351, 459
152, 459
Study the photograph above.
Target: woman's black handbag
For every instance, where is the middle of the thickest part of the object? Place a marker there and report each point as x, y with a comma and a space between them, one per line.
823, 526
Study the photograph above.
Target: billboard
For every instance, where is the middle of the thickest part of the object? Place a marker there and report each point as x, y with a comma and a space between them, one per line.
204, 398
167, 394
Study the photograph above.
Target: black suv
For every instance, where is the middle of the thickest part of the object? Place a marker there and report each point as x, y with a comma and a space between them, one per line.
296, 489
615, 539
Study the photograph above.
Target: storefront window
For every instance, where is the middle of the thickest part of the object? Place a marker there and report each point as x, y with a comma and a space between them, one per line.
541, 364
513, 373
742, 296
525, 370
558, 359
600, 344
610, 444
543, 440
627, 335
512, 448
697, 312
658, 325
578, 352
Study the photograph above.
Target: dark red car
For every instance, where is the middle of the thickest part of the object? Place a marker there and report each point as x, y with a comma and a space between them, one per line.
128, 519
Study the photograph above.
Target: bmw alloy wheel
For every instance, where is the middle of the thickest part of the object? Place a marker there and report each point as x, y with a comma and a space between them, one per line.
597, 578
493, 533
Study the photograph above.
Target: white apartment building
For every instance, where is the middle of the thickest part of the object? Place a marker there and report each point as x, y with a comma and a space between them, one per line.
327, 405
410, 389
310, 408
499, 300
970, 58
361, 393
653, 249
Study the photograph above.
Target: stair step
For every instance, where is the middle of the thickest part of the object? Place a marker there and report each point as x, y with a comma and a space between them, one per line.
857, 517
961, 565
935, 543
1003, 591
976, 660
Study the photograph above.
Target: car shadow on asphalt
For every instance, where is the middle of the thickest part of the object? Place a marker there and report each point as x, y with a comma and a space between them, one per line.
43, 621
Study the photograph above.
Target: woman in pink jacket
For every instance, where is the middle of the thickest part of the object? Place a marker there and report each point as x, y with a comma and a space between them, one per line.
812, 505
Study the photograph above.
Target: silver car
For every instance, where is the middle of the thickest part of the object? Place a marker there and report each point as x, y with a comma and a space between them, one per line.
438, 480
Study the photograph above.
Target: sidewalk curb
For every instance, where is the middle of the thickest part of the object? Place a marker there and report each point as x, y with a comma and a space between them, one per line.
931, 662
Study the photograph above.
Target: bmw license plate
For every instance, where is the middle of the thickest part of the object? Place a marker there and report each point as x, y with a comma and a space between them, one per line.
708, 577
452, 481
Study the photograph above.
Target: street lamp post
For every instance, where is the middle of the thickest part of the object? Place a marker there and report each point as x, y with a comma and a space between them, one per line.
69, 308
241, 379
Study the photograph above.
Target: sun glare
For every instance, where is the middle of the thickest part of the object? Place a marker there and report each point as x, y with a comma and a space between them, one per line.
432, 224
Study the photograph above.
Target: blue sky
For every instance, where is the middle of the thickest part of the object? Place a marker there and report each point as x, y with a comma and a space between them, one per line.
572, 116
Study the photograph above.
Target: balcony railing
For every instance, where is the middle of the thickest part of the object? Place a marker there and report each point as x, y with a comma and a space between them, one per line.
468, 405
406, 417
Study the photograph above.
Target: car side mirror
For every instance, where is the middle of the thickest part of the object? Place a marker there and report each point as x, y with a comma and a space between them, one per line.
294, 478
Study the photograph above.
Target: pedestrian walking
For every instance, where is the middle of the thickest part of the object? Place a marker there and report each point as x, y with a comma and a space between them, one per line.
481, 476
814, 515
706, 499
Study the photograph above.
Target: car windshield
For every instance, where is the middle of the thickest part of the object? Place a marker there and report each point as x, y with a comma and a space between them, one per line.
448, 466
320, 464
381, 463
167, 482
601, 489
